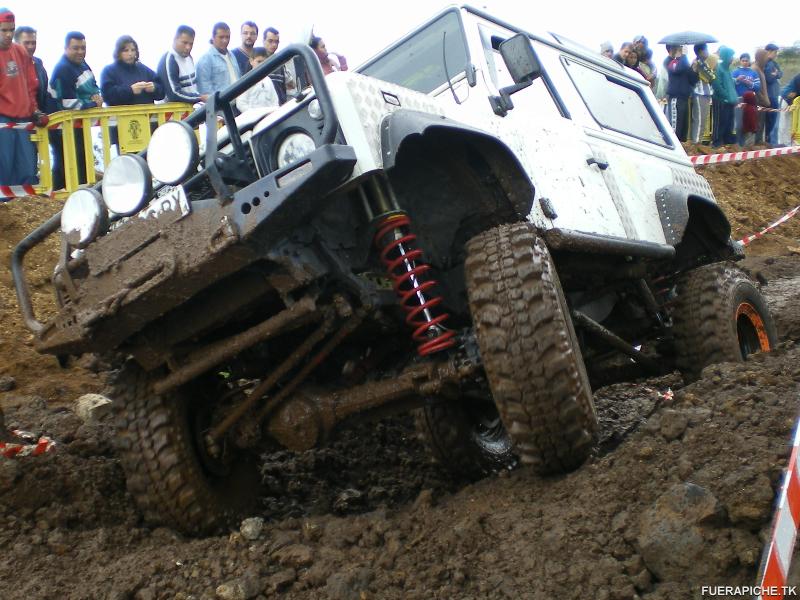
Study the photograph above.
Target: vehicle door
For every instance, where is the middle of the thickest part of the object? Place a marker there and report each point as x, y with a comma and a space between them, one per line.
627, 134
552, 148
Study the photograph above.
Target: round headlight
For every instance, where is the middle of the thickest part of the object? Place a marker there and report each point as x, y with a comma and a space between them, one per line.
295, 147
173, 152
126, 184
83, 217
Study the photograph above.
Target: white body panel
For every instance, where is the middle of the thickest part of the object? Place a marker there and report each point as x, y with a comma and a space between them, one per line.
562, 156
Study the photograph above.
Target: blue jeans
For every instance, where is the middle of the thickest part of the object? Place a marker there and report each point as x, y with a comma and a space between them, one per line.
17, 155
772, 123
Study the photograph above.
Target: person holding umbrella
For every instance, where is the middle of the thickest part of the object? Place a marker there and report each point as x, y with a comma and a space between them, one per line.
681, 82
682, 77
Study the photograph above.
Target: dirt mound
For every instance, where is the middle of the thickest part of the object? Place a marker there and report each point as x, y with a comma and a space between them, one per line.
755, 193
677, 496
34, 373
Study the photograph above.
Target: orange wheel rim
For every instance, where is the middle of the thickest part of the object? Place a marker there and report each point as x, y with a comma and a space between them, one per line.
747, 310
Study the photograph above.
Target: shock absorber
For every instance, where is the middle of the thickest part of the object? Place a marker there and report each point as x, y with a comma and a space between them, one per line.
409, 274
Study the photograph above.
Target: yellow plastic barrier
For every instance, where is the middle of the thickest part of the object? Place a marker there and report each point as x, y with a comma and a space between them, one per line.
796, 121
133, 127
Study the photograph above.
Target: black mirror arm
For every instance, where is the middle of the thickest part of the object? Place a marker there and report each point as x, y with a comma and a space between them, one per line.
502, 104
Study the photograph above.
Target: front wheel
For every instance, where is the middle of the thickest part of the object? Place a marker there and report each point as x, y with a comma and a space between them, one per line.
720, 316
174, 480
529, 349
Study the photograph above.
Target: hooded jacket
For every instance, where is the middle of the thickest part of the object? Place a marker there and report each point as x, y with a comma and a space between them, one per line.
724, 88
759, 65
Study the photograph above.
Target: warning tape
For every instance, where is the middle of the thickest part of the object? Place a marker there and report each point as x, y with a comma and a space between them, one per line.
778, 557
778, 110
77, 124
17, 450
27, 126
747, 239
713, 159
10, 192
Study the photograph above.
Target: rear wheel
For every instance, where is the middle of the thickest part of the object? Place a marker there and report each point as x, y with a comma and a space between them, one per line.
466, 436
529, 348
720, 316
171, 475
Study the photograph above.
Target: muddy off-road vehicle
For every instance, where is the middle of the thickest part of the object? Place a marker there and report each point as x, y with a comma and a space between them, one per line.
473, 225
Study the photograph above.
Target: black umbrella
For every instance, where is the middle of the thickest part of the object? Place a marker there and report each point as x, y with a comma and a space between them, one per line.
687, 38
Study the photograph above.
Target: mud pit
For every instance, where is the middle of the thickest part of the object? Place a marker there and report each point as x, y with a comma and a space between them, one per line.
678, 495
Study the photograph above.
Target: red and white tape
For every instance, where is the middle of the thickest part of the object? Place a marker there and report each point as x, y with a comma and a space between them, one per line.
21, 449
778, 557
10, 192
749, 238
712, 159
27, 126
79, 123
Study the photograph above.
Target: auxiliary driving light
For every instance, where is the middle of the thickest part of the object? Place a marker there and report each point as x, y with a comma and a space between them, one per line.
83, 217
173, 152
126, 184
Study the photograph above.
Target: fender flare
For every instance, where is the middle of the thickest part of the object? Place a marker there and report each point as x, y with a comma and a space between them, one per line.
403, 124
682, 211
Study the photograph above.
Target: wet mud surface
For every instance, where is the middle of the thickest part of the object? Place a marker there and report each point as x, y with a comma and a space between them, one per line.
678, 494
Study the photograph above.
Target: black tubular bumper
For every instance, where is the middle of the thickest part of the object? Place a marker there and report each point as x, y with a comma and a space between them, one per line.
208, 244
287, 198
330, 165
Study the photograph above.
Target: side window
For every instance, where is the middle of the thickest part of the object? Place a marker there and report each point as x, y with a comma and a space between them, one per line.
534, 98
418, 62
614, 104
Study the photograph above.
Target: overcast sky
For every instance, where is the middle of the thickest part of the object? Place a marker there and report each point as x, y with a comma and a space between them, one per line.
359, 30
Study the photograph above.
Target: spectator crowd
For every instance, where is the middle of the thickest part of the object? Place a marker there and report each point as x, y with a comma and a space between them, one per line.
28, 94
712, 100
707, 100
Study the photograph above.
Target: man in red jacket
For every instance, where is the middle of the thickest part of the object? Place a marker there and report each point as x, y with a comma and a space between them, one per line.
18, 86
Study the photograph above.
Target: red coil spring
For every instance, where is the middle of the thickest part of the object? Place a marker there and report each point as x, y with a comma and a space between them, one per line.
401, 260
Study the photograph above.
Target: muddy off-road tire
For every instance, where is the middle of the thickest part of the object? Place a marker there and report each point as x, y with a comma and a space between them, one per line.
173, 482
529, 349
720, 316
466, 437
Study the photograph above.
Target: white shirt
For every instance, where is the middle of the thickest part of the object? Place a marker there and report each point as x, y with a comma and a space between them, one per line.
260, 95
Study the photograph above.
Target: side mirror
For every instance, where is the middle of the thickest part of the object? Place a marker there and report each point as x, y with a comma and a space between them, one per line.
523, 66
520, 58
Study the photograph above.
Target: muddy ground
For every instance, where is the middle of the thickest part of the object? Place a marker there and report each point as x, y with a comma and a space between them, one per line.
678, 495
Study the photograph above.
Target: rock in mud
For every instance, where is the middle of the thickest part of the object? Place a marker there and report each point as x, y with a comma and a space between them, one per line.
251, 528
7, 383
677, 534
347, 500
295, 556
92, 407
242, 588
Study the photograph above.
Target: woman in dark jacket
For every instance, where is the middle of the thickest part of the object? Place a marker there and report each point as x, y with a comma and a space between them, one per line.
127, 81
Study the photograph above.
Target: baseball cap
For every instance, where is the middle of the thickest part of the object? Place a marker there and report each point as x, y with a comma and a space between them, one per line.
771, 47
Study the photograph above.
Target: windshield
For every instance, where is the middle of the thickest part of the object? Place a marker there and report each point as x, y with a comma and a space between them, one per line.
418, 62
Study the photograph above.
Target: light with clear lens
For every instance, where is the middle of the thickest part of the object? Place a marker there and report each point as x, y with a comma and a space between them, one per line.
315, 110
83, 217
173, 152
126, 184
295, 147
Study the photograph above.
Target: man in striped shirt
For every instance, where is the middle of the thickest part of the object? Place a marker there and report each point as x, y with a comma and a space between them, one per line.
73, 88
176, 69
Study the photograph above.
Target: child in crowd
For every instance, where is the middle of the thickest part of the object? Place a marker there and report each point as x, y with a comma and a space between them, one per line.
262, 94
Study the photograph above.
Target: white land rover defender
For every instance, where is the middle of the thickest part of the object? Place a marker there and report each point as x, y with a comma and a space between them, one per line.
474, 225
